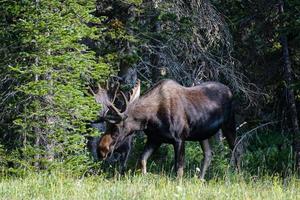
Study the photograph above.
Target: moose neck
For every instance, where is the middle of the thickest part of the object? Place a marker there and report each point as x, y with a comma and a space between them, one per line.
145, 108
140, 111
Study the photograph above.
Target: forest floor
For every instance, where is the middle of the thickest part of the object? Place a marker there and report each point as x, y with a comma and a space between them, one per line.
62, 186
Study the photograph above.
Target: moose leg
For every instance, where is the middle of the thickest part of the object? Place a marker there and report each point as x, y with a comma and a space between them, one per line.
207, 157
230, 136
124, 160
179, 150
229, 131
149, 148
219, 137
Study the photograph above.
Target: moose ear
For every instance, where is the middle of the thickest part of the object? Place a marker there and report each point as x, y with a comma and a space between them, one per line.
115, 119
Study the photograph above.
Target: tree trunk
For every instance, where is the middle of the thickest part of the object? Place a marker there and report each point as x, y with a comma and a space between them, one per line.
37, 130
157, 71
127, 71
291, 104
50, 120
124, 12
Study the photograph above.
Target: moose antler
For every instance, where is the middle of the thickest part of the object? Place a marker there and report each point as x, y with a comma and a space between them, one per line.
101, 96
135, 92
113, 108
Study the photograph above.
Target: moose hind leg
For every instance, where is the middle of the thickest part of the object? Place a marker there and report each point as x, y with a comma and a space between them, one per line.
219, 137
229, 131
179, 149
207, 157
149, 148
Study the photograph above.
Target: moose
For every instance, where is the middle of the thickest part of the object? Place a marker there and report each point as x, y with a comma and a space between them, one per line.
171, 113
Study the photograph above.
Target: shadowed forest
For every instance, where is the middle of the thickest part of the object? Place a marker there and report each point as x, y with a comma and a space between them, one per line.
66, 66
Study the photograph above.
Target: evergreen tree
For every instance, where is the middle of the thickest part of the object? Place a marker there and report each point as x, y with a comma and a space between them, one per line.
45, 71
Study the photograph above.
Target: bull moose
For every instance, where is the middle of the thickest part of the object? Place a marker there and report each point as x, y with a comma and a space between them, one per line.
171, 113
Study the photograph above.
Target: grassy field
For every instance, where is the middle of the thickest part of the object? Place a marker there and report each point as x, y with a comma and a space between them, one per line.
62, 186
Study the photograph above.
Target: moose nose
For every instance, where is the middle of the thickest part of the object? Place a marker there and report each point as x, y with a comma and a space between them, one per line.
103, 155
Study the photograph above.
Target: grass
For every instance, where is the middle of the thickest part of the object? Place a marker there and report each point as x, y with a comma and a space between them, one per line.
62, 186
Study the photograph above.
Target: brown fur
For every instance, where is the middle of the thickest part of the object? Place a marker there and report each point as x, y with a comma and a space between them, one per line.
104, 145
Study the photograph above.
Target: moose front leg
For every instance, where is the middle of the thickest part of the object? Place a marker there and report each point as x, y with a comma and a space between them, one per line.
207, 157
179, 150
149, 148
124, 159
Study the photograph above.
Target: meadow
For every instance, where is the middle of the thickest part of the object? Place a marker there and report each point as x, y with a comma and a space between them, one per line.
150, 186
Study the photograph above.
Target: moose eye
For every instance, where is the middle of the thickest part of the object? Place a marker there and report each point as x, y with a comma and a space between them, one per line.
114, 136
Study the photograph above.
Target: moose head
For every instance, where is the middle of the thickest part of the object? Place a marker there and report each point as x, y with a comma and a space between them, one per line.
114, 114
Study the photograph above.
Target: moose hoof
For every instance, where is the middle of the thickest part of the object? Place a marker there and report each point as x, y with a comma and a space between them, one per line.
180, 172
143, 166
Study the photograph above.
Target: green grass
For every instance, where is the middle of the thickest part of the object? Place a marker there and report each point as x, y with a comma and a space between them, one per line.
62, 186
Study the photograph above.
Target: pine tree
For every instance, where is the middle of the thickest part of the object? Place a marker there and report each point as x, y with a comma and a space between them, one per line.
46, 71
